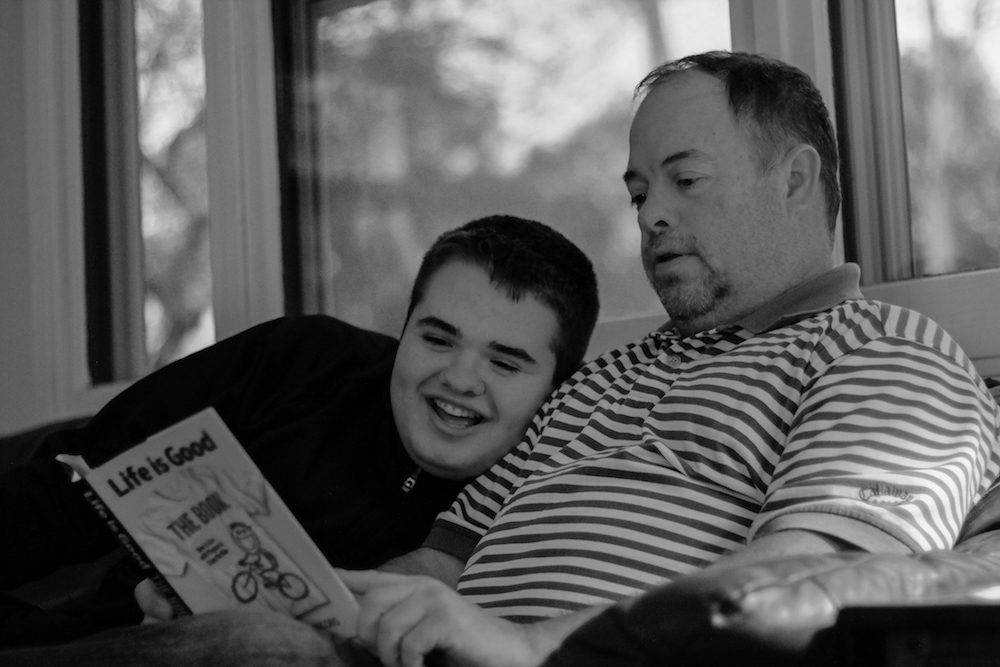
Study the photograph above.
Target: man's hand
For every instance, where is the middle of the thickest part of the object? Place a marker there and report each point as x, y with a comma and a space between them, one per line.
154, 606
403, 618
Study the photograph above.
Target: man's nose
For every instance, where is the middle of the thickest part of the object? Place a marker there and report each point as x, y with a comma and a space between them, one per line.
656, 213
463, 374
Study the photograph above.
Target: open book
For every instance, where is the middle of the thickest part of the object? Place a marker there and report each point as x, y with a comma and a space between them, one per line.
194, 510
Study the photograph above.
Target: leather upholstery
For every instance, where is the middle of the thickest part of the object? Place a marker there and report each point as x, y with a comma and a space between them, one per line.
782, 611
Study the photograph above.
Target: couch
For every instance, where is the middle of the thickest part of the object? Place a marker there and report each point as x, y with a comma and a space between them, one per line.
841, 609
785, 611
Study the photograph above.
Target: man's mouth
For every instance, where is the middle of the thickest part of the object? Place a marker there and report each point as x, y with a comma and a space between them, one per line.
665, 259
455, 415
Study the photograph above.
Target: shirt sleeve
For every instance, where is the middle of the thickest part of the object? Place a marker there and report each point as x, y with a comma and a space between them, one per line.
476, 507
891, 446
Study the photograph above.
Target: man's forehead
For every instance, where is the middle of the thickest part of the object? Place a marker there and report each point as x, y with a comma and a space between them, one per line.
686, 117
685, 96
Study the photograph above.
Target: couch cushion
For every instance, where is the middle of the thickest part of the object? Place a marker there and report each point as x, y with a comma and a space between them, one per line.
21, 447
774, 612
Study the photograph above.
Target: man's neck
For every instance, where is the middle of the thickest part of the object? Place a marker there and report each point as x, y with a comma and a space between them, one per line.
728, 313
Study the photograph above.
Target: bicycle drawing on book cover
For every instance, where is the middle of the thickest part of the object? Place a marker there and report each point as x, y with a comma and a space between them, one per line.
261, 564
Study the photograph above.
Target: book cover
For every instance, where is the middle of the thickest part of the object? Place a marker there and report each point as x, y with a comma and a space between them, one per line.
197, 514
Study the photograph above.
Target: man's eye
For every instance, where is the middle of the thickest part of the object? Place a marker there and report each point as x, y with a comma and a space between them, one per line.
688, 182
638, 200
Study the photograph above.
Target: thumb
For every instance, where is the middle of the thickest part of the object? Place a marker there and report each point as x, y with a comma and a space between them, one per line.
154, 606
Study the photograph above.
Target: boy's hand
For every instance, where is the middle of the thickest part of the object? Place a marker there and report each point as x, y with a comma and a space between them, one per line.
154, 606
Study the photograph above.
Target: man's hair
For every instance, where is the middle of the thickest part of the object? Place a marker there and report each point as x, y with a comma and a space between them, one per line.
525, 257
776, 104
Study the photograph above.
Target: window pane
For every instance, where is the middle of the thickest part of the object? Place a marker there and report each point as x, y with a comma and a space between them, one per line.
170, 70
414, 117
950, 74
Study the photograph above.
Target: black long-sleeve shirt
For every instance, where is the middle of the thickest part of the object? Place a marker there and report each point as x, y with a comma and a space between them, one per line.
308, 397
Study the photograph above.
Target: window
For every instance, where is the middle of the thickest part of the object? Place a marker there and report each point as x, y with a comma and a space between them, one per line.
149, 297
949, 55
918, 107
410, 118
50, 375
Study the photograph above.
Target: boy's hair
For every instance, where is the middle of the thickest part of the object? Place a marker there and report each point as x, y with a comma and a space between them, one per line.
525, 257
777, 105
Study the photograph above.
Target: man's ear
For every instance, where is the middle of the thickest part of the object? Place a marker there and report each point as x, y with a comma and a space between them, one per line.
800, 169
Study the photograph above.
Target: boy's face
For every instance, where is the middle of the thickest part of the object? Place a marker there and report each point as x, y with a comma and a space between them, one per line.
472, 368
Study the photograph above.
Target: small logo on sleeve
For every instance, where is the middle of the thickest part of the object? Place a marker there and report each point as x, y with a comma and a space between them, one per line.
884, 494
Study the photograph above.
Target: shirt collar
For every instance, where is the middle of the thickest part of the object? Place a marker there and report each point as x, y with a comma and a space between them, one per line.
820, 293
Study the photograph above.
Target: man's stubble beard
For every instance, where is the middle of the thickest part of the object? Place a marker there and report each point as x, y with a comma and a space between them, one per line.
688, 302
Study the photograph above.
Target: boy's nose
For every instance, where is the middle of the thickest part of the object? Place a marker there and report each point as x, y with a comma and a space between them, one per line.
463, 376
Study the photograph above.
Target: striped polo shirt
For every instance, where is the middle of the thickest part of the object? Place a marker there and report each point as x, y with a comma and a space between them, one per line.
821, 411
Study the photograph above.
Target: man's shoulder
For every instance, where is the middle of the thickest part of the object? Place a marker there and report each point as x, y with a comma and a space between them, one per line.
887, 329
877, 319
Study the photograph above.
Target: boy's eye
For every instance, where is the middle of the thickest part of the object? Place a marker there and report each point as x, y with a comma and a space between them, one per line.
688, 182
638, 200
436, 341
504, 366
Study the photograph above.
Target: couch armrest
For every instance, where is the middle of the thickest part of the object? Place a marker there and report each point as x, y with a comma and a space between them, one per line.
775, 612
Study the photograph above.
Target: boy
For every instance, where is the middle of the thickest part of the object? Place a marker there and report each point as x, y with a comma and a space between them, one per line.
365, 439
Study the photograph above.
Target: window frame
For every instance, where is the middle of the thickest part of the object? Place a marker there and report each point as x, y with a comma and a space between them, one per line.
876, 196
242, 173
114, 271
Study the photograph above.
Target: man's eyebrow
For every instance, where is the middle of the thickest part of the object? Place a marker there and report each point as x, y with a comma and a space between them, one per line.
632, 175
508, 350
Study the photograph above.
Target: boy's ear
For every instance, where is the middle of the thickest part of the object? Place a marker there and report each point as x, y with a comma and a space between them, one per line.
800, 171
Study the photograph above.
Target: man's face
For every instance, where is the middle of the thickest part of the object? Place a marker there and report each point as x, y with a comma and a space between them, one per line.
472, 368
714, 229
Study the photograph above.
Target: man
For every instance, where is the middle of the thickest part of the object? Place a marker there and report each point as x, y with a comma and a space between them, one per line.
366, 441
778, 412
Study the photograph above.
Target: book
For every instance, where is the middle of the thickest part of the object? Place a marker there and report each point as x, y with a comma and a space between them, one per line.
201, 520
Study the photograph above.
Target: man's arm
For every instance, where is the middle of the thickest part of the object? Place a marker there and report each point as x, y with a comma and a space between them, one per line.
783, 543
428, 562
404, 618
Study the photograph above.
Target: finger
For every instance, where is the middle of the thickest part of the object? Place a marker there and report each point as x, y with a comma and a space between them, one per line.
415, 647
395, 627
361, 581
154, 606
375, 603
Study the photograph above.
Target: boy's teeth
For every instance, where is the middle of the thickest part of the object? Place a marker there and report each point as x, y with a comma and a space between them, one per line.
456, 411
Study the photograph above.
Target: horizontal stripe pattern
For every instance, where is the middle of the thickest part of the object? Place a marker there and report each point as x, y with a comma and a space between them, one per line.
659, 458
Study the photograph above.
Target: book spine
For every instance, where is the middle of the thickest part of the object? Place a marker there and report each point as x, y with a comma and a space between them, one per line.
128, 542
